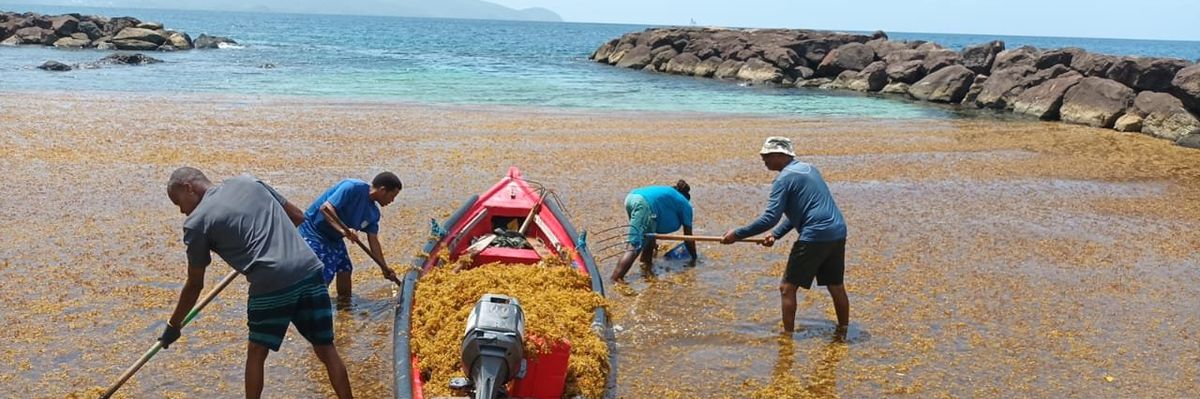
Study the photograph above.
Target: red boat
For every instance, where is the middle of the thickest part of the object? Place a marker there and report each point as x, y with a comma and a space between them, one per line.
513, 201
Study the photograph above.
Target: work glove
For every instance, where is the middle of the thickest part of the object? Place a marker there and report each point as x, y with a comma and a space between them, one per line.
169, 335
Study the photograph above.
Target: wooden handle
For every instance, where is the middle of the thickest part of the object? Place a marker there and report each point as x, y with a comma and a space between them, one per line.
681, 237
158, 344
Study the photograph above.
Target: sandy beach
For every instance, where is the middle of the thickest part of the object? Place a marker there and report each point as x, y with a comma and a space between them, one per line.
986, 257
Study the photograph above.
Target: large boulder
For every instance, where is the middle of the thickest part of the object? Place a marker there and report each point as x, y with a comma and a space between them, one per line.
883, 47
1096, 102
949, 84
34, 35
71, 42
64, 25
139, 34
1044, 100
906, 72
179, 40
601, 54
1090, 64
206, 41
1186, 86
150, 25
851, 56
1021, 56
1144, 73
1164, 115
756, 70
660, 55
682, 64
1062, 56
872, 78
783, 57
708, 67
728, 69
636, 58
979, 58
134, 45
941, 58
895, 88
815, 50
119, 23
1002, 85
11, 41
90, 29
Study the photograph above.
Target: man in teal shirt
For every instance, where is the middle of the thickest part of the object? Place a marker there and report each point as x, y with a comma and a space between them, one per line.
800, 197
655, 210
348, 205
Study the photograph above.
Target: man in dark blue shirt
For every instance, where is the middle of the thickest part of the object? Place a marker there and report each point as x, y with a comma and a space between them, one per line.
351, 204
801, 198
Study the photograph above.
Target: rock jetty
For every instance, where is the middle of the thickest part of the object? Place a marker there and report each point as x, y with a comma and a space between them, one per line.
93, 31
1155, 96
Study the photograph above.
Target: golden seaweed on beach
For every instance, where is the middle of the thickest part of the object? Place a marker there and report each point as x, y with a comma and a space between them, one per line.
558, 304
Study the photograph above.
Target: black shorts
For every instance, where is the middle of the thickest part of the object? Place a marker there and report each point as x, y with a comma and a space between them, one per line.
824, 260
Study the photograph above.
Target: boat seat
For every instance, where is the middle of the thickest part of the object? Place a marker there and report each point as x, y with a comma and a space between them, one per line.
507, 255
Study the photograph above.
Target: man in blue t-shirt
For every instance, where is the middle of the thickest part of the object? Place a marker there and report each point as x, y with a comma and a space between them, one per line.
348, 205
801, 198
655, 210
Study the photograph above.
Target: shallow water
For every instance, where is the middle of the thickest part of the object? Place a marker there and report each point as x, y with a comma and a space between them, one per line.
985, 258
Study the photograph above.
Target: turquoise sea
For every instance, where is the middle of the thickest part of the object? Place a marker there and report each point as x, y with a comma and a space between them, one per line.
446, 61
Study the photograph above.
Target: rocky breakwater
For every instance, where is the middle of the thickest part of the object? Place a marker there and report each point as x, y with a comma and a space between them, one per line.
1155, 96
92, 31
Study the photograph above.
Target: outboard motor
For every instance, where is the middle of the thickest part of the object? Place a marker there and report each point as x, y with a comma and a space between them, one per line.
493, 348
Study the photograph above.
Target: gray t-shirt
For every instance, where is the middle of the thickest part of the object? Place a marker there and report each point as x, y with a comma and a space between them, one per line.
243, 221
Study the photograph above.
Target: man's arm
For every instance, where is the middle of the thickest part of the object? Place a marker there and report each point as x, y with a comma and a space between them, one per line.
783, 228
770, 217
187, 300
294, 213
377, 253
331, 216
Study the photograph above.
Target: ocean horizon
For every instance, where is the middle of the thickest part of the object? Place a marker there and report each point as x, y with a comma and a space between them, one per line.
461, 62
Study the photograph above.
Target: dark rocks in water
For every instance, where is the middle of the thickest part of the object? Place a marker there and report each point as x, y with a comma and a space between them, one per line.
206, 41
1164, 114
1145, 73
849, 57
129, 59
267, 66
54, 66
1186, 86
91, 31
1044, 100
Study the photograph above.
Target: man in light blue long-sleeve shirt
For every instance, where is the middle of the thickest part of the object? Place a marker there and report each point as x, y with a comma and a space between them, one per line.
801, 198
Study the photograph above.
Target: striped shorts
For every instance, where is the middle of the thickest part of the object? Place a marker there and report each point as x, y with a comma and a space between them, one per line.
305, 304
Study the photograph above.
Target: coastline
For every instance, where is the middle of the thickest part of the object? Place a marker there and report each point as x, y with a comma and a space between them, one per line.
1008, 211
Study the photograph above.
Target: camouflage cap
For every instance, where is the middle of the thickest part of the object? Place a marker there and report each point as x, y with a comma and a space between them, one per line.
782, 145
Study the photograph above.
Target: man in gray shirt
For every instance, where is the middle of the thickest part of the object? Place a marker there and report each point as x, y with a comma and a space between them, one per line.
249, 225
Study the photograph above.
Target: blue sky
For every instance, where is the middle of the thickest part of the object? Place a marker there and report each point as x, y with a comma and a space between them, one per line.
1131, 19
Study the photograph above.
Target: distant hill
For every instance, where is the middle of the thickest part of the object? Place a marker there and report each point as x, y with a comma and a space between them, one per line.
467, 9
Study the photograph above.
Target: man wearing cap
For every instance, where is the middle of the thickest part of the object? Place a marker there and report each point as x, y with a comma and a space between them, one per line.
801, 198
655, 210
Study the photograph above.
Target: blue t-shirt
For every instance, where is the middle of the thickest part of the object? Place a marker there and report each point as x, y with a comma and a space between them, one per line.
800, 194
350, 198
671, 209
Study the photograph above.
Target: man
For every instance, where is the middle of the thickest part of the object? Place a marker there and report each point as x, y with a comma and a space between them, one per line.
655, 209
347, 206
800, 196
252, 228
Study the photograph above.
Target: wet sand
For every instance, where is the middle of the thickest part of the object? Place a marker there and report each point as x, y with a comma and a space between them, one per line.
986, 258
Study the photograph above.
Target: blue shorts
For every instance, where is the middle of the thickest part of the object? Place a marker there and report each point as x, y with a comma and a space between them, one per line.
333, 255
